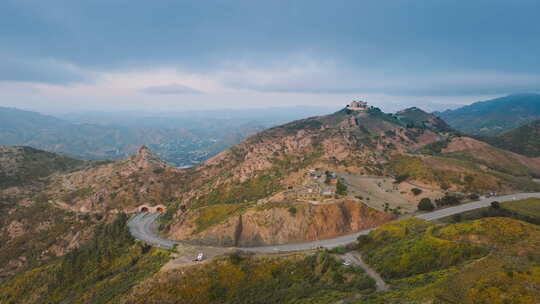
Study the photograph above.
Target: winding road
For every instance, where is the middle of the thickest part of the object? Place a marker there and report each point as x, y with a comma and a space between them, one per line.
141, 227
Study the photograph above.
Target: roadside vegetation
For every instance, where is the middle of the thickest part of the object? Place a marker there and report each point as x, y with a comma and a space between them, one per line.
411, 247
527, 210
315, 278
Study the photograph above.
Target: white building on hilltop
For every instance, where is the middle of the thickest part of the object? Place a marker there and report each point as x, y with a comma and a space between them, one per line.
358, 105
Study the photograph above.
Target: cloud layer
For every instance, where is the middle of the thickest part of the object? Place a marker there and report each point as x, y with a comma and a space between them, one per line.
170, 89
105, 52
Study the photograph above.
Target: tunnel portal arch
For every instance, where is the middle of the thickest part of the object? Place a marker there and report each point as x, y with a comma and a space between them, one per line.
152, 209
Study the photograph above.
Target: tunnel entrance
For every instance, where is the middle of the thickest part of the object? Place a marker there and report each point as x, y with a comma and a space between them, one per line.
159, 209
144, 209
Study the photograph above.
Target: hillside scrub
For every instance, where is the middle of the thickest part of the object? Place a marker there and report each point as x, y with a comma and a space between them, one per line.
418, 250
491, 260
259, 187
212, 215
318, 278
100, 271
42, 227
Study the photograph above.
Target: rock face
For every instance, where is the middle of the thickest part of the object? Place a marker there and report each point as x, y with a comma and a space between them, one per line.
272, 226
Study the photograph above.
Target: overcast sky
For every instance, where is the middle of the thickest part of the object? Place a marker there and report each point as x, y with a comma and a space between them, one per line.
181, 55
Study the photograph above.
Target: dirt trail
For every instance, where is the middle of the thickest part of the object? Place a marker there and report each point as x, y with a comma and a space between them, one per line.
356, 258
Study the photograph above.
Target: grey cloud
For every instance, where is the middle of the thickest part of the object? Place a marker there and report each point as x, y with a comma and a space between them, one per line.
399, 34
170, 89
16, 69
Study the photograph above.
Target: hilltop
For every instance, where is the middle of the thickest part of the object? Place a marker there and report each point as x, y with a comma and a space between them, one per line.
494, 116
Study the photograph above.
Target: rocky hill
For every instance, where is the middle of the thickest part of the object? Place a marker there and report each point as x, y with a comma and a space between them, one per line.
271, 161
33, 231
494, 116
272, 168
298, 172
121, 186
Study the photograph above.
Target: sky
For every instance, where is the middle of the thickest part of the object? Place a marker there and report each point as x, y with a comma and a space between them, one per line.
194, 55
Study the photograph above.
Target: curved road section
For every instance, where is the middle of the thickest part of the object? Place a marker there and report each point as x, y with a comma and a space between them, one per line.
141, 227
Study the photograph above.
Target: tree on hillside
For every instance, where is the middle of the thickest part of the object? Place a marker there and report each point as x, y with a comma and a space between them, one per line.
448, 200
416, 191
401, 178
425, 205
341, 188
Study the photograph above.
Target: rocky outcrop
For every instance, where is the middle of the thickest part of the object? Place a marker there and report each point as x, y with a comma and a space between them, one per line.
120, 186
278, 225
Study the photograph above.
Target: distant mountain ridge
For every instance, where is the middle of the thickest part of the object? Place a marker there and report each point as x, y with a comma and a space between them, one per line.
198, 140
494, 116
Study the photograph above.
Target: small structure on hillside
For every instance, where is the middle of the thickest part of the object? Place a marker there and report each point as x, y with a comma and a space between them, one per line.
358, 105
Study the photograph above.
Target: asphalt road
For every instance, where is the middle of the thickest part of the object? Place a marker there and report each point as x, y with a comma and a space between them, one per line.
140, 227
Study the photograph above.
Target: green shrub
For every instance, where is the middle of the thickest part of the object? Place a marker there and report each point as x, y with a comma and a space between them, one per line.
235, 258
292, 211
338, 250
416, 191
448, 200
341, 188
158, 170
401, 178
495, 205
425, 205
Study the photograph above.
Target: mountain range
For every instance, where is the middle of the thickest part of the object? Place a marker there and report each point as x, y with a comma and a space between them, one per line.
64, 224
